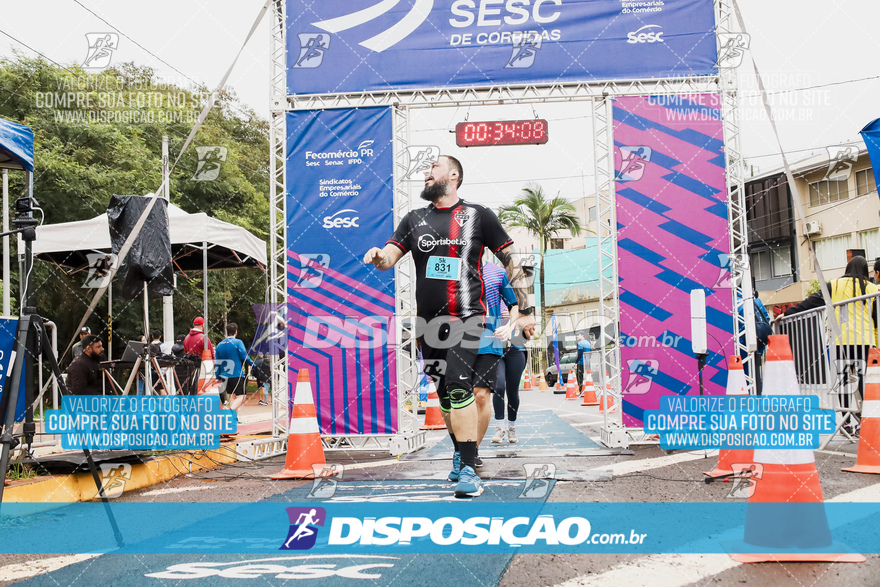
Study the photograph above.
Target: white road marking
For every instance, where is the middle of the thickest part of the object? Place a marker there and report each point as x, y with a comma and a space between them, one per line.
626, 467
678, 570
658, 570
170, 490
20, 571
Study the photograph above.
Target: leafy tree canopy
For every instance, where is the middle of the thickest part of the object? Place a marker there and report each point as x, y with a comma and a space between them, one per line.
99, 134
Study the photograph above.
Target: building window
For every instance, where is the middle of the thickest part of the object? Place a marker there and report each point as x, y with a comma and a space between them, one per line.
781, 261
827, 191
831, 252
865, 182
870, 241
760, 265
557, 243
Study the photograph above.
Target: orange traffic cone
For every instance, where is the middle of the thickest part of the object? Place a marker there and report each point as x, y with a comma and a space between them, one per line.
607, 402
542, 383
433, 414
785, 519
304, 448
868, 457
589, 391
571, 388
207, 382
527, 384
558, 388
736, 385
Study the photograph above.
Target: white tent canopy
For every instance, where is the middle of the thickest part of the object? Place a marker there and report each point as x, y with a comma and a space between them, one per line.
229, 246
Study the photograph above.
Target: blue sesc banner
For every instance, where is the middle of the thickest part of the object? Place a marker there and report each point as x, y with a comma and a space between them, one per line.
8, 328
340, 312
340, 46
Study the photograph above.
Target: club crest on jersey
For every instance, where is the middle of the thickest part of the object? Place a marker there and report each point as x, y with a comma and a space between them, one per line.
460, 217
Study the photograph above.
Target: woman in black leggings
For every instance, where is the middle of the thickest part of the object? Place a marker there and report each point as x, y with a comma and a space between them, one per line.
510, 371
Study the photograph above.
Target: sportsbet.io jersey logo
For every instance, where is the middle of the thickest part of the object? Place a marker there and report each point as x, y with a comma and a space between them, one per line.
304, 524
427, 242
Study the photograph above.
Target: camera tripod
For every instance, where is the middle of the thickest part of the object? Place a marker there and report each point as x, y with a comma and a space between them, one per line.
31, 341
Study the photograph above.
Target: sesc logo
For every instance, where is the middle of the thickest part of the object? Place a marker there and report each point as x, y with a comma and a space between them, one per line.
644, 35
337, 221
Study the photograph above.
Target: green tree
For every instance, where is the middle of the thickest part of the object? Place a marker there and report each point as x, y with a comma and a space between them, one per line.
543, 218
99, 134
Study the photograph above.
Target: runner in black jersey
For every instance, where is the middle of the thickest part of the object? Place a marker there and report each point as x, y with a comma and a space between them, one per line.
447, 239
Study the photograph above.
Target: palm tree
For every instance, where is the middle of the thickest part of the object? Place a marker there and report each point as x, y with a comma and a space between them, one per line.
542, 218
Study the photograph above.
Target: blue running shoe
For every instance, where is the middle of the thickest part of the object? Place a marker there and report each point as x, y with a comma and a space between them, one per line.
469, 484
456, 466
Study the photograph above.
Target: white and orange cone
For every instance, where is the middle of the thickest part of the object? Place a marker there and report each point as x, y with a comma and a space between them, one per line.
433, 413
736, 385
571, 388
527, 382
589, 390
778, 531
208, 384
304, 448
868, 457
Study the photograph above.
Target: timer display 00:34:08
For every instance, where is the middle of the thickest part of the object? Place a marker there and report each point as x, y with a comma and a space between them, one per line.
501, 132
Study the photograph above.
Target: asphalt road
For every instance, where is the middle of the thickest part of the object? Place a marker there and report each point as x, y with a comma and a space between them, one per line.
648, 475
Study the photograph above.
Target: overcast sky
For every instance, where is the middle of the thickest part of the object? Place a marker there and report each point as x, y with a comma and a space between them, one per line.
797, 44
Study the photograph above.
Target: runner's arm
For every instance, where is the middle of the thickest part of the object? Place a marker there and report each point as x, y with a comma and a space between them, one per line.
385, 258
519, 281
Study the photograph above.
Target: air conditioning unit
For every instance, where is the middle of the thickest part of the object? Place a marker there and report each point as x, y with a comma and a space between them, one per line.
814, 227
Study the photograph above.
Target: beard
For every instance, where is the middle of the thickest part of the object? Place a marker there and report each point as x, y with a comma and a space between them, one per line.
434, 192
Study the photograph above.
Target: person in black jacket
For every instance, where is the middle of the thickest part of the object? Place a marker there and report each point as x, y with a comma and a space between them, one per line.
84, 373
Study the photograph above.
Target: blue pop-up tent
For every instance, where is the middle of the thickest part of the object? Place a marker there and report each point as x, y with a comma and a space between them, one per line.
16, 152
16, 146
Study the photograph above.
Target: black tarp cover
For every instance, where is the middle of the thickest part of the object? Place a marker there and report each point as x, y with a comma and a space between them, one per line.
149, 259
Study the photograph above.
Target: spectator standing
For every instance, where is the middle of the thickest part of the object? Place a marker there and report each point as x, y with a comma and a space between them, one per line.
263, 375
193, 346
84, 373
858, 322
78, 347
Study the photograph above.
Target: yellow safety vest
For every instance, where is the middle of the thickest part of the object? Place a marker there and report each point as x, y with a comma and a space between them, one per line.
856, 323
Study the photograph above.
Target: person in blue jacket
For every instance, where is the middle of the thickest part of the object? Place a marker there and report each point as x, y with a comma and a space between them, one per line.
229, 358
583, 356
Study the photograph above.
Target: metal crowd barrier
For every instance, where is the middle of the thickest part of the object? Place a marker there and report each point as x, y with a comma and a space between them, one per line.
833, 368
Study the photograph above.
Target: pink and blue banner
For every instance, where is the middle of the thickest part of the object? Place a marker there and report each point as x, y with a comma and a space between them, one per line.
340, 312
673, 237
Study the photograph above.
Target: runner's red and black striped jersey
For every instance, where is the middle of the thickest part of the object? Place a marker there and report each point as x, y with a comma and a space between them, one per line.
462, 231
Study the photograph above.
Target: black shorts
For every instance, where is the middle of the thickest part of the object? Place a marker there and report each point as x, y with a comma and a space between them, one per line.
486, 371
449, 350
236, 385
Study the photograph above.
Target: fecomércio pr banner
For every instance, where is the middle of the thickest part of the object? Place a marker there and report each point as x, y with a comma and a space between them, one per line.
338, 46
340, 311
673, 237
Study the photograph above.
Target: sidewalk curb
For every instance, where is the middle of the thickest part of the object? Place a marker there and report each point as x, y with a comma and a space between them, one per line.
56, 491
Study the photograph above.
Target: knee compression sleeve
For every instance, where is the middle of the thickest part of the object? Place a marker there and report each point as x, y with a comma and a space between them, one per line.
458, 397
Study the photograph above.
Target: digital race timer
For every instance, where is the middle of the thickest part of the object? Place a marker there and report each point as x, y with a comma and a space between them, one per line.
502, 132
